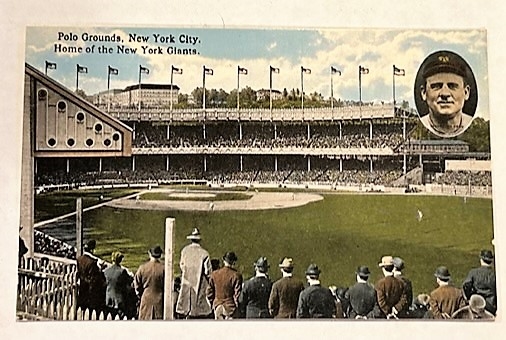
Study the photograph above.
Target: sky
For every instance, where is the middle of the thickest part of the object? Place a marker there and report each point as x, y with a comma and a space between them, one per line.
222, 50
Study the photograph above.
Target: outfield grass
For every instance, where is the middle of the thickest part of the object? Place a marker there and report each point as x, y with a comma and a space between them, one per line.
338, 233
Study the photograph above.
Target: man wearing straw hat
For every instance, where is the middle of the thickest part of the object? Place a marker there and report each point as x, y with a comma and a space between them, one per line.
390, 291
149, 286
196, 268
285, 292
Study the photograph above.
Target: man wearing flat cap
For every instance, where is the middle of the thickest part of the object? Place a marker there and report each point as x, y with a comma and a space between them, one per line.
362, 296
475, 311
149, 286
285, 292
254, 298
446, 299
225, 286
390, 292
196, 268
118, 285
481, 281
445, 90
315, 301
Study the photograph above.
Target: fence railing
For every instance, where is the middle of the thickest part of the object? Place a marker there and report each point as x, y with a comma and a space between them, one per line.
47, 290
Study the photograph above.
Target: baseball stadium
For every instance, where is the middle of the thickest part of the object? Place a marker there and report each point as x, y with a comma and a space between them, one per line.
339, 184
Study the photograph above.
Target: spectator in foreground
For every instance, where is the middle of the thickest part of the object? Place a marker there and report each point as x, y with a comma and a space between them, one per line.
446, 299
149, 286
390, 292
476, 310
92, 284
481, 281
362, 296
224, 289
408, 286
196, 268
118, 284
254, 298
285, 292
315, 301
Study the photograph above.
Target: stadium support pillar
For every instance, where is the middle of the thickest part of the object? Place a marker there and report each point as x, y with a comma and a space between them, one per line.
133, 132
420, 160
168, 131
240, 131
370, 130
276, 163
205, 163
308, 163
308, 132
35, 165
340, 165
404, 164
370, 165
100, 165
168, 312
275, 131
79, 227
204, 130
68, 165
167, 163
240, 162
133, 163
340, 130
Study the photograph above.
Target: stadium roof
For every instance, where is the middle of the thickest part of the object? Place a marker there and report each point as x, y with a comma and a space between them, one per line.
438, 142
152, 87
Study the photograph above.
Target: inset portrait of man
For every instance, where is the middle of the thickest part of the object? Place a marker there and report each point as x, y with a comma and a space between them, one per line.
446, 94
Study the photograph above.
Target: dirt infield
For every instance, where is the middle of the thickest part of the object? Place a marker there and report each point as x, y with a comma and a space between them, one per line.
257, 201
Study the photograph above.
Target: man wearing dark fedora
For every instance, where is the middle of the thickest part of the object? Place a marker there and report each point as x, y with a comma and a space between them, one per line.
481, 281
390, 292
362, 296
408, 286
254, 299
225, 286
446, 299
445, 90
149, 286
92, 282
285, 292
195, 264
315, 301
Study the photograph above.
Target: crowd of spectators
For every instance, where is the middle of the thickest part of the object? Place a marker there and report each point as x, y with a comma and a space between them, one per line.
480, 178
49, 245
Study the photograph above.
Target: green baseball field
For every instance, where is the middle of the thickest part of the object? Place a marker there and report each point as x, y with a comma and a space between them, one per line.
338, 233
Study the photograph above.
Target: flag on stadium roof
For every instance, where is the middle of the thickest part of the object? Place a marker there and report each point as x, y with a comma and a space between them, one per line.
177, 70
208, 71
113, 71
334, 70
305, 70
274, 70
363, 70
143, 69
50, 65
241, 70
399, 71
82, 69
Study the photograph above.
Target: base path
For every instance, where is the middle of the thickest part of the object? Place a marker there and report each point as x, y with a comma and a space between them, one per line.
257, 201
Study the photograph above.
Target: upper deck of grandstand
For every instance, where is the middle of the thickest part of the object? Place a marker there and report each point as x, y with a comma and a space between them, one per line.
356, 112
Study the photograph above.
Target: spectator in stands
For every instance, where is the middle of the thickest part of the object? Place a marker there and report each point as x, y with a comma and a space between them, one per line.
446, 299
315, 301
149, 286
362, 296
118, 285
196, 268
224, 289
390, 291
254, 297
285, 292
481, 281
445, 89
92, 283
22, 249
475, 310
340, 314
408, 287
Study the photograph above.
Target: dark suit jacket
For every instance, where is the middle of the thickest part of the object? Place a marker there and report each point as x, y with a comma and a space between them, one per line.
362, 298
284, 297
482, 281
91, 291
390, 293
118, 285
254, 298
316, 302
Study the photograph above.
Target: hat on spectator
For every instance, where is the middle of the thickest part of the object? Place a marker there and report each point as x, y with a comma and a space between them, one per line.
486, 255
444, 62
286, 263
117, 256
195, 235
442, 273
313, 270
398, 263
90, 245
386, 261
156, 252
477, 303
262, 264
230, 257
363, 271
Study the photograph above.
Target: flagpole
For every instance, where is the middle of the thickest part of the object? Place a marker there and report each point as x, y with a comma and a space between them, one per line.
204, 89
302, 88
270, 89
331, 91
393, 86
46, 67
360, 89
77, 77
171, 85
140, 92
238, 71
108, 88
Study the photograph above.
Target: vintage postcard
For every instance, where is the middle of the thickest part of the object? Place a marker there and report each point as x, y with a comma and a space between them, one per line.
190, 174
